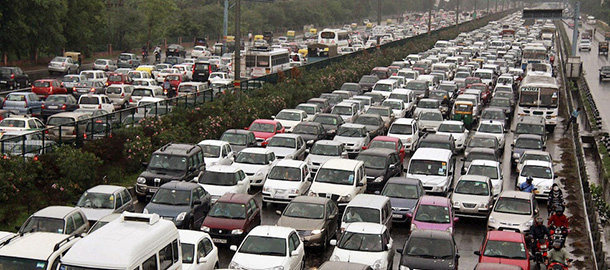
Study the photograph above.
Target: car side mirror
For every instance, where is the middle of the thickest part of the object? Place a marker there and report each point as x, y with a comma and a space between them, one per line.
462, 159
273, 117
359, 184
333, 242
476, 252
233, 247
409, 215
197, 202
512, 145
544, 148
399, 250
554, 176
456, 219
246, 128
278, 212
294, 253
392, 167
307, 151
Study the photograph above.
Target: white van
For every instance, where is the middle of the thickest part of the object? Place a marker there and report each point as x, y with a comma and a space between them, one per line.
340, 180
406, 130
385, 87
368, 208
95, 75
434, 168
37, 250
133, 241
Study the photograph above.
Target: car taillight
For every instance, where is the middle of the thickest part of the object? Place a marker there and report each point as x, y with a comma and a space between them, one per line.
85, 136
51, 90
43, 106
100, 106
106, 66
123, 94
46, 131
12, 75
74, 132
63, 64
36, 158
130, 61
92, 89
63, 107
130, 100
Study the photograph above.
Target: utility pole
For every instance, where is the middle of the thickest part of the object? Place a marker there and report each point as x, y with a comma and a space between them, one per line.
236, 77
496, 10
430, 18
225, 24
487, 7
474, 15
457, 12
379, 12
575, 32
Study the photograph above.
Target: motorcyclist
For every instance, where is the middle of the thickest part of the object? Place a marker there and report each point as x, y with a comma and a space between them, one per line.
527, 186
555, 198
559, 219
558, 254
538, 231
157, 53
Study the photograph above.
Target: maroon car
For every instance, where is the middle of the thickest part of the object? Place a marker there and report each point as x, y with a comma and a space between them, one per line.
47, 87
231, 218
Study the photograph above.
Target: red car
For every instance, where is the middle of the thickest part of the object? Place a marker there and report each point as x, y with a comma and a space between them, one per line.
175, 79
264, 129
46, 87
471, 80
506, 248
381, 72
389, 143
118, 78
393, 70
231, 218
485, 93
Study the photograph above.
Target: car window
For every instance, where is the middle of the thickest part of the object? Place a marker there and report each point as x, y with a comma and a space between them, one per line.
70, 226
31, 123
252, 205
150, 263
78, 220
293, 242
126, 196
207, 246
118, 199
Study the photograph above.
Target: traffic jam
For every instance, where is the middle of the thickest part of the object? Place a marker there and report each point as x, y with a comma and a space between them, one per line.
438, 161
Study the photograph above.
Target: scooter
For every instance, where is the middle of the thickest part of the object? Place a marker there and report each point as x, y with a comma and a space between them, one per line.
144, 54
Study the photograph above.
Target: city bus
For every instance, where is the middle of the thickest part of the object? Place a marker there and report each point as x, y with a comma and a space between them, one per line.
262, 61
534, 54
539, 96
334, 36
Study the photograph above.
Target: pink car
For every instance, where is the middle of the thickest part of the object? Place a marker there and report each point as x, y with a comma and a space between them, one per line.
433, 213
264, 129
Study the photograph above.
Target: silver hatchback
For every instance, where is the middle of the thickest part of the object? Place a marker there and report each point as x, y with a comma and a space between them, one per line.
119, 94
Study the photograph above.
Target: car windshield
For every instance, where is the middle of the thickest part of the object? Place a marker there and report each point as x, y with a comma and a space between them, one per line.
290, 116
263, 245
282, 142
234, 138
228, 210
513, 206
427, 104
428, 167
146, 83
398, 190
219, 178
379, 111
498, 102
530, 129
251, 158
16, 263
188, 253
540, 157
429, 248
505, 249
342, 110
306, 129
537, 171
382, 87
308, 109
431, 116
491, 128
432, 214
369, 79
476, 188
12, 123
70, 79
368, 121
124, 57
172, 197
451, 128
304, 210
401, 129
373, 161
326, 120
351, 132
383, 144
115, 78
493, 115
361, 214
417, 85
334, 176
480, 155
528, 143
211, 151
360, 241
42, 84
260, 127
88, 100
325, 150
285, 173
167, 162
394, 105
482, 142
96, 200
43, 224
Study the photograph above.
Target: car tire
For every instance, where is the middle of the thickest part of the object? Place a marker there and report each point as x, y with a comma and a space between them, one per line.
216, 266
324, 245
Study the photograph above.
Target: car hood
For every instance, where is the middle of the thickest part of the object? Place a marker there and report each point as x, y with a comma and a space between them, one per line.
456, 136
373, 172
330, 127
250, 168
164, 175
307, 137
216, 190
165, 210
431, 226
403, 203
354, 256
224, 223
95, 214
254, 261
337, 189
263, 135
352, 140
301, 224
282, 184
282, 151
427, 263
288, 123
524, 264
510, 218
468, 198
371, 128
319, 158
429, 179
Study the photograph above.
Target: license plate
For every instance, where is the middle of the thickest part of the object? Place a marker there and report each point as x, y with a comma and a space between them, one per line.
3, 81
396, 216
53, 107
201, 74
220, 241
153, 190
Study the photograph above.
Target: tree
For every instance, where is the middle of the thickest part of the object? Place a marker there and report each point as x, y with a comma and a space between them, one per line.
84, 25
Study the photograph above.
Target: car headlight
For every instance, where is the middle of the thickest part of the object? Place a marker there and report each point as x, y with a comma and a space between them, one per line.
267, 189
483, 205
516, 155
317, 231
311, 193
529, 223
205, 228
377, 265
310, 142
402, 267
145, 211
294, 191
335, 258
141, 180
492, 220
413, 227
181, 216
456, 204
234, 265
450, 229
345, 198
291, 156
437, 189
259, 173
277, 268
378, 179
237, 231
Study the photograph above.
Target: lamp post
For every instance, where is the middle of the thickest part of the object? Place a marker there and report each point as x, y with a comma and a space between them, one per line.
236, 76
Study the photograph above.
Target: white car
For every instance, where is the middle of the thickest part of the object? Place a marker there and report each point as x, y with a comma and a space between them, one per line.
199, 51
290, 118
217, 152
160, 77
427, 104
365, 243
472, 196
147, 83
310, 109
323, 150
429, 120
584, 44
513, 211
354, 136
397, 106
186, 70
104, 64
491, 169
407, 131
493, 128
93, 102
287, 146
340, 180
256, 163
218, 75
542, 173
286, 180
533, 155
455, 129
269, 247
221, 179
198, 251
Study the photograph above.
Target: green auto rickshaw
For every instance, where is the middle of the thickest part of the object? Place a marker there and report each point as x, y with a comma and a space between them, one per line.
463, 111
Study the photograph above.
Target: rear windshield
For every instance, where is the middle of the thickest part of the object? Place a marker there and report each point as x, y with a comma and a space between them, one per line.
115, 78
42, 84
142, 92
88, 100
56, 99
56, 121
15, 98
114, 90
124, 57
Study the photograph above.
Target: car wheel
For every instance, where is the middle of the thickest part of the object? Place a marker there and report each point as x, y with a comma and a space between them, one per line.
216, 266
265, 204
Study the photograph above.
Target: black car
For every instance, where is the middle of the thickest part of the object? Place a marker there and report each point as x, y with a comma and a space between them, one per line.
333, 99
311, 132
58, 103
404, 193
175, 50
367, 81
373, 122
379, 165
174, 60
330, 122
13, 77
325, 107
604, 72
239, 139
502, 103
202, 70
353, 87
185, 203
428, 249
181, 162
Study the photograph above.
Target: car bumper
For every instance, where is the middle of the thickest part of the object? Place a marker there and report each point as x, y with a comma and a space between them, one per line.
144, 190
504, 227
475, 212
267, 197
257, 180
57, 69
312, 240
226, 238
401, 216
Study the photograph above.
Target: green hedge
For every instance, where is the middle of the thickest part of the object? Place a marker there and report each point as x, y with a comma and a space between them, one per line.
59, 177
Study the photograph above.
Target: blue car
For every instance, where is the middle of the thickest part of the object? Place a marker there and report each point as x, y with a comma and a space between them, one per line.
404, 193
23, 102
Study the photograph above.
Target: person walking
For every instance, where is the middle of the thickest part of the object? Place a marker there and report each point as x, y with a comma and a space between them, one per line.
573, 117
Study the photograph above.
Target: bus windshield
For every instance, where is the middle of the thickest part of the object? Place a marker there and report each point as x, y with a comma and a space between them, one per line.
537, 96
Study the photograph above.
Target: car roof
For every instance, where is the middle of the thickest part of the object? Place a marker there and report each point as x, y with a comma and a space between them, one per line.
337, 265
483, 162
329, 142
384, 152
107, 189
434, 200
256, 150
505, 236
453, 122
180, 185
473, 177
432, 154
238, 131
69, 114
529, 136
36, 245
271, 231
431, 234
341, 164
516, 194
541, 163
386, 139
222, 168
365, 227
290, 163
213, 142
286, 135
179, 149
369, 201
536, 152
235, 198
310, 199
404, 180
405, 121
265, 121
350, 125
496, 266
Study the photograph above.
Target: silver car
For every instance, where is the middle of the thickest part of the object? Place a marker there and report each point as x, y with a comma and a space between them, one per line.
64, 65
119, 94
71, 81
104, 64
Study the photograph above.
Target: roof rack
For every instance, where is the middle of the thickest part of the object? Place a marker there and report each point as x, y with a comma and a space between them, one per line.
5, 242
163, 148
64, 241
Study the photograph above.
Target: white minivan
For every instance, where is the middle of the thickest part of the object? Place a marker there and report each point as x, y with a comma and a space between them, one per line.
286, 180
340, 180
406, 130
368, 208
434, 168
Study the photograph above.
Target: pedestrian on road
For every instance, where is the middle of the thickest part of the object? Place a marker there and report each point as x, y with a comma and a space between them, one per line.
573, 117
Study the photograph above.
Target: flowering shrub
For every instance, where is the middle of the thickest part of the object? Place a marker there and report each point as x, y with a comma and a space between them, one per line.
137, 150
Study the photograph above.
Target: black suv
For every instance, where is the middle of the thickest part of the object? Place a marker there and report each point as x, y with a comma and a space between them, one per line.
604, 72
13, 77
202, 70
181, 162
175, 50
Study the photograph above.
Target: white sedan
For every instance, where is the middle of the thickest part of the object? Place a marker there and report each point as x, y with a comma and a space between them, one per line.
455, 129
198, 251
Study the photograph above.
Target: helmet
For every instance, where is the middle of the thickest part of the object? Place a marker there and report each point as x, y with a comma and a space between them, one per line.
557, 245
539, 221
559, 209
529, 179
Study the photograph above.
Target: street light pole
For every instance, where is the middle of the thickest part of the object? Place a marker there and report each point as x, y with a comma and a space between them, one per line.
487, 7
457, 13
236, 77
430, 18
379, 12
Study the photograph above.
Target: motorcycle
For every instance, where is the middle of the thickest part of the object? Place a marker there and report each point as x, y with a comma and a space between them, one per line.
542, 249
157, 57
558, 266
144, 54
559, 233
